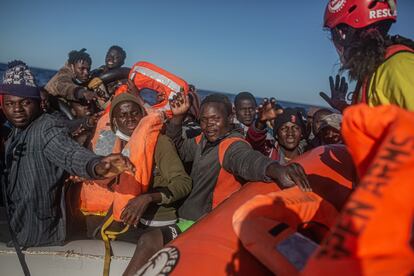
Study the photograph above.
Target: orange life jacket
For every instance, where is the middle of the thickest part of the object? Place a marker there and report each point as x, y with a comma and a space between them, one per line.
291, 210
148, 75
362, 97
227, 183
373, 234
96, 198
266, 220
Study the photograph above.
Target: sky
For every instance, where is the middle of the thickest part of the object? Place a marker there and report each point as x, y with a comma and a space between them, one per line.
272, 48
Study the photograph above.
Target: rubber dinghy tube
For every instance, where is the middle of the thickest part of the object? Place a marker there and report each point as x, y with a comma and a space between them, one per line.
115, 74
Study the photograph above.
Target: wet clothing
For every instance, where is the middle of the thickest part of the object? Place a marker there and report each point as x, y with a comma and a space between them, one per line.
393, 82
37, 161
239, 159
62, 84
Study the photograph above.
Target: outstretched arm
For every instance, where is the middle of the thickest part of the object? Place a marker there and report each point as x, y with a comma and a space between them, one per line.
241, 160
63, 151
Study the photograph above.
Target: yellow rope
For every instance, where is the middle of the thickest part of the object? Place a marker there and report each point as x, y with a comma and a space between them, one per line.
107, 236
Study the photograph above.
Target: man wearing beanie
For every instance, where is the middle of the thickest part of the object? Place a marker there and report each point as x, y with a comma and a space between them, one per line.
39, 154
288, 130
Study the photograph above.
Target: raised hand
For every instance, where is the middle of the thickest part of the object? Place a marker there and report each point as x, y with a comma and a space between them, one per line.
112, 165
339, 89
289, 176
267, 111
132, 89
180, 104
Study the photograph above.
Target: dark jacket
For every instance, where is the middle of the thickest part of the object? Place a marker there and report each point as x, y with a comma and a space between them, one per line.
240, 160
37, 159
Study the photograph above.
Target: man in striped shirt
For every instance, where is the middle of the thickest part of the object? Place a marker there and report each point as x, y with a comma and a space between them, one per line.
39, 154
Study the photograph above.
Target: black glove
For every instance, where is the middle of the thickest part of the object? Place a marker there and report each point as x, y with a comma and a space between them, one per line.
339, 89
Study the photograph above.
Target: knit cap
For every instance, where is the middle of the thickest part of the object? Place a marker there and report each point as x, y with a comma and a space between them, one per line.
19, 81
333, 120
289, 115
124, 97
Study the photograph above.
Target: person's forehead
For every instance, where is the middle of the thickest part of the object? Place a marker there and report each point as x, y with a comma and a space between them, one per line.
82, 63
289, 124
330, 128
213, 107
126, 105
114, 52
245, 102
14, 98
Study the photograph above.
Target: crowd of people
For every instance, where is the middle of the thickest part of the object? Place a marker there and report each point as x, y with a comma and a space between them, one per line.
89, 148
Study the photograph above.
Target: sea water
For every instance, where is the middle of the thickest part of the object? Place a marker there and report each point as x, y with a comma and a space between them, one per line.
44, 75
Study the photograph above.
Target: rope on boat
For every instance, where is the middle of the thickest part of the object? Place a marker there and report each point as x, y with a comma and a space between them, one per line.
65, 254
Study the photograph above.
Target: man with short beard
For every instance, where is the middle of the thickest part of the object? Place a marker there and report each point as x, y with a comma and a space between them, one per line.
39, 154
288, 130
70, 81
237, 162
245, 109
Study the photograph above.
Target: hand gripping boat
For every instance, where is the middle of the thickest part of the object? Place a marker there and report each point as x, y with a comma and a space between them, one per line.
213, 247
250, 233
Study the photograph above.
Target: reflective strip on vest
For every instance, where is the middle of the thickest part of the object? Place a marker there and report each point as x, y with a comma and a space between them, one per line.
156, 76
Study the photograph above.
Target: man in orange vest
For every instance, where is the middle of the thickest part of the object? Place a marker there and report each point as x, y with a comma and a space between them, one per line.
222, 160
382, 65
147, 199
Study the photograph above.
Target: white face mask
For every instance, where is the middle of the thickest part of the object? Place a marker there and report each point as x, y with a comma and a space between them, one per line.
122, 136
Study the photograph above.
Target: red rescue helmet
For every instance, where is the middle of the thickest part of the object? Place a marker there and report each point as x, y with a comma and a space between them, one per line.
358, 13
